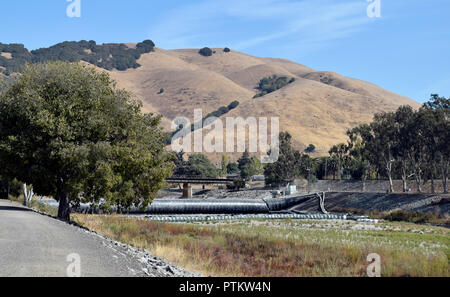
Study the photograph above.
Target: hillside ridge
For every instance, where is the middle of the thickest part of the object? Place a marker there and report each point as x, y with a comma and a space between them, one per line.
318, 107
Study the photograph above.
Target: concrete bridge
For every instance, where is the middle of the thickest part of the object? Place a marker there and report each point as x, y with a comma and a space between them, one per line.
188, 181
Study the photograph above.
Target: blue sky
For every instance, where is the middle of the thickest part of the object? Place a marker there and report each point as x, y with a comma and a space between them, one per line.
406, 50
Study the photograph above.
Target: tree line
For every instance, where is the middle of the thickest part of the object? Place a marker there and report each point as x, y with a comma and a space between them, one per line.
198, 165
106, 56
405, 144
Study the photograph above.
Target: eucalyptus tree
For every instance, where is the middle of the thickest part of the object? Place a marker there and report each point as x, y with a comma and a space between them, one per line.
385, 142
249, 166
68, 131
435, 116
331, 166
406, 135
287, 167
339, 152
429, 135
417, 141
358, 150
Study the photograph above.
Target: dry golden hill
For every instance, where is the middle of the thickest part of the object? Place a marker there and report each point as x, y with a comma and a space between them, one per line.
317, 108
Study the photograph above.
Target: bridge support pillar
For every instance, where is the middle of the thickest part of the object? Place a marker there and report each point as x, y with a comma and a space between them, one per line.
187, 191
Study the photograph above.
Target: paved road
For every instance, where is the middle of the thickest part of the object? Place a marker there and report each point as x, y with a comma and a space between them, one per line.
36, 245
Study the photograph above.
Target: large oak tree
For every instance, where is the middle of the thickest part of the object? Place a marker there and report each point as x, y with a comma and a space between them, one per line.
66, 129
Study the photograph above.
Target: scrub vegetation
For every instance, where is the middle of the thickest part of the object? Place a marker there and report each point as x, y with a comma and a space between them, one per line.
285, 248
206, 51
271, 84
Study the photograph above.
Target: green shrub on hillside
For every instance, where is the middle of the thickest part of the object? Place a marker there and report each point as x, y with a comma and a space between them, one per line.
271, 84
233, 105
223, 110
206, 51
311, 148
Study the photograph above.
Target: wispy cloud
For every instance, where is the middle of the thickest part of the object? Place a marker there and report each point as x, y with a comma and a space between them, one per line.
306, 24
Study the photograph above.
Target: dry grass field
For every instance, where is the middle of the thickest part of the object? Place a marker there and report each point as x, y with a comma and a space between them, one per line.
285, 248
282, 247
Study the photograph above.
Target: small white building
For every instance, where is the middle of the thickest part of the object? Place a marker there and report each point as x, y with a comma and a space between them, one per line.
291, 189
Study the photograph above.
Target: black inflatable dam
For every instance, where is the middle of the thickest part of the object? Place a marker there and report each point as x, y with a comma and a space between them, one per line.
212, 206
